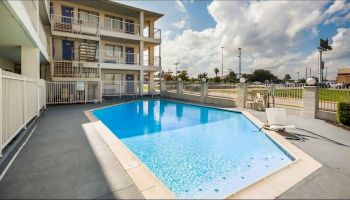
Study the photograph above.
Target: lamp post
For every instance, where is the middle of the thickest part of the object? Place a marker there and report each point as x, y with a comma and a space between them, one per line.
176, 68
239, 62
222, 61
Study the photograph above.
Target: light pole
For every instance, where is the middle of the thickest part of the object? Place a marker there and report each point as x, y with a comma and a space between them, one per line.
298, 76
324, 46
222, 61
176, 68
239, 62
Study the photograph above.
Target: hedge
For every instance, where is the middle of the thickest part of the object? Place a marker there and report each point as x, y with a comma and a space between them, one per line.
343, 113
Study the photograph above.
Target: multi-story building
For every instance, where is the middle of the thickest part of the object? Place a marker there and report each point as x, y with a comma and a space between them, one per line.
105, 41
106, 47
343, 75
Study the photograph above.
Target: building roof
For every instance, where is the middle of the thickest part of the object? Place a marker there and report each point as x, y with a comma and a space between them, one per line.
343, 70
113, 6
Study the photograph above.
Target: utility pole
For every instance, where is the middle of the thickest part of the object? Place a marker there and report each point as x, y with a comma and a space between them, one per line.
222, 61
239, 62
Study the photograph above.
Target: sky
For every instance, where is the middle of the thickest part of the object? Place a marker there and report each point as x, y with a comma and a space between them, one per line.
280, 36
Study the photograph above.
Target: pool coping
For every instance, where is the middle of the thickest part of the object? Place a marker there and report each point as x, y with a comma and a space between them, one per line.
268, 187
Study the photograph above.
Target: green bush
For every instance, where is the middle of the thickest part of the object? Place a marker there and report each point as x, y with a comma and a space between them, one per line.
343, 113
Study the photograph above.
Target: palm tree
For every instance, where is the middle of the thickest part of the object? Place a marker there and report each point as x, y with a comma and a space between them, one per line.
216, 71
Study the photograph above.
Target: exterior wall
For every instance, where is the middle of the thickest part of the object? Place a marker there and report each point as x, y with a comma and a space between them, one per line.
343, 78
7, 64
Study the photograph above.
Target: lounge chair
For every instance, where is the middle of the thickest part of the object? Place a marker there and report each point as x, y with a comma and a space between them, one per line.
277, 119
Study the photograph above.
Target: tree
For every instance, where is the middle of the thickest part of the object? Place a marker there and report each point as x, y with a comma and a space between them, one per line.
216, 71
287, 78
204, 75
167, 77
231, 77
263, 75
248, 77
183, 75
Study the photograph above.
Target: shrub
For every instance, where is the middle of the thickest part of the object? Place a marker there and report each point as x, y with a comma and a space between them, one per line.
343, 113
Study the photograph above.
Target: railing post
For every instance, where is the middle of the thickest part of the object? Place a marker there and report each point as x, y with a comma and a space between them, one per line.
180, 86
204, 91
101, 89
1, 112
24, 103
242, 95
310, 101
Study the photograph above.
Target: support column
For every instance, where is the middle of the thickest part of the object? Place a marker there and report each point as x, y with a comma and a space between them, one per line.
141, 49
142, 20
204, 91
1, 112
310, 101
151, 82
242, 95
141, 81
30, 62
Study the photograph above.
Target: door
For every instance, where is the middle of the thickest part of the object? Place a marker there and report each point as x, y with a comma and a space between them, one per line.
129, 26
67, 14
129, 84
67, 50
129, 51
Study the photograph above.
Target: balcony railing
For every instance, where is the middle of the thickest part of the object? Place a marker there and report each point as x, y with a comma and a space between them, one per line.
84, 23
153, 61
119, 57
74, 25
76, 69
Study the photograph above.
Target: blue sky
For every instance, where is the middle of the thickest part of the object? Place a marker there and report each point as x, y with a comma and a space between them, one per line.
279, 36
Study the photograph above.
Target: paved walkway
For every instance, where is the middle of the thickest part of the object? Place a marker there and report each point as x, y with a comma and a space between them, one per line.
59, 161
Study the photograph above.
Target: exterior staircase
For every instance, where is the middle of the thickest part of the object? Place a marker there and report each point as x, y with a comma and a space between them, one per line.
87, 52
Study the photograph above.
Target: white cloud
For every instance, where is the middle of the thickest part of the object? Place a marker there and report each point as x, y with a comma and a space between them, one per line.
337, 6
180, 6
268, 33
179, 24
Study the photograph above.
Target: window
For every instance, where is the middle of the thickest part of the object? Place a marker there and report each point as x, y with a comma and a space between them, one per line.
113, 50
87, 16
113, 23
113, 77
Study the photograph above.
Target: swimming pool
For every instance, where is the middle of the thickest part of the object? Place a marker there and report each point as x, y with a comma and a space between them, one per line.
197, 152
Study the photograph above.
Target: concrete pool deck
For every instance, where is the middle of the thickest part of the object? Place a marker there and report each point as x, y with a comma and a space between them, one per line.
59, 161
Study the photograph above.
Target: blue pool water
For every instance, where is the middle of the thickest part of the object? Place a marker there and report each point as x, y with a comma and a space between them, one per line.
197, 152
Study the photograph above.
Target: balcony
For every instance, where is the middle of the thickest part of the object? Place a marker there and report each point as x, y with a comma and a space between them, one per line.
119, 57
75, 69
74, 25
93, 25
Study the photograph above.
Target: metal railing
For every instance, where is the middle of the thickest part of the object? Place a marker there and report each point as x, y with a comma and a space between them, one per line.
119, 57
125, 88
153, 61
74, 25
71, 92
64, 69
285, 95
119, 26
170, 86
330, 96
223, 90
193, 88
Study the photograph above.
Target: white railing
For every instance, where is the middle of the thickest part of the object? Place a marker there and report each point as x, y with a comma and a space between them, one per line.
21, 99
71, 92
119, 26
224, 90
78, 69
119, 57
154, 61
74, 25
125, 88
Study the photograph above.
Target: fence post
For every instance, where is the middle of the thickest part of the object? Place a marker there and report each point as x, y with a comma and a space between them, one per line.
38, 98
1, 112
101, 89
242, 95
162, 86
180, 86
204, 91
310, 101
24, 103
